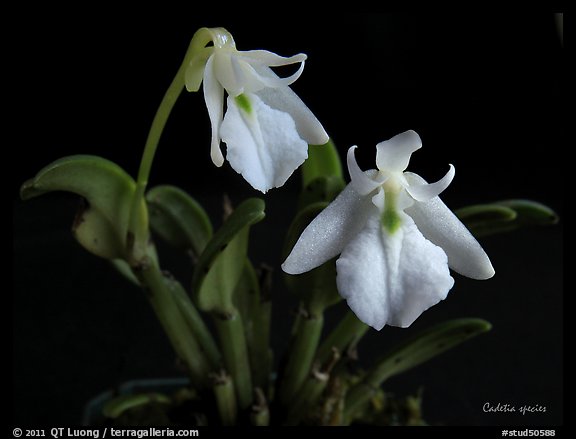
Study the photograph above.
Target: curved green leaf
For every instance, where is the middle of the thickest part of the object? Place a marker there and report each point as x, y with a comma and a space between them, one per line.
222, 262
478, 214
505, 216
100, 227
116, 406
322, 161
415, 351
531, 212
178, 218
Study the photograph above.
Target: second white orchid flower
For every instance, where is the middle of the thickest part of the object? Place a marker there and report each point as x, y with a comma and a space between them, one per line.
266, 127
395, 237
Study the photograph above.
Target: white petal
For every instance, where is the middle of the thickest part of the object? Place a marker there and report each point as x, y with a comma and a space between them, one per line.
267, 58
394, 154
214, 98
259, 81
391, 279
363, 184
438, 224
330, 231
262, 143
284, 99
427, 191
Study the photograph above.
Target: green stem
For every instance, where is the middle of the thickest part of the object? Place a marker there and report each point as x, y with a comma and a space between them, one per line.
225, 400
233, 341
302, 352
197, 326
309, 394
260, 415
174, 324
348, 332
138, 224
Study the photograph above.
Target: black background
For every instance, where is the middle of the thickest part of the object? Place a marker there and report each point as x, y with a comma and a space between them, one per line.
484, 91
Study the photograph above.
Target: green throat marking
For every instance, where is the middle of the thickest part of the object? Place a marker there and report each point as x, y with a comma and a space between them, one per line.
244, 103
390, 219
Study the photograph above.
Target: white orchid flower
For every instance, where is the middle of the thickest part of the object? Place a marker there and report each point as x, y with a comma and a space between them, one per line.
266, 128
395, 237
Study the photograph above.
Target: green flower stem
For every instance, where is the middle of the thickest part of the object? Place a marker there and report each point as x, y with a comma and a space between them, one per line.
308, 328
348, 332
197, 326
225, 399
159, 290
233, 341
138, 223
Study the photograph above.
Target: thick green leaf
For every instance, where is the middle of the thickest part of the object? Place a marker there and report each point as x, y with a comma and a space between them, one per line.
222, 262
531, 212
101, 226
414, 352
323, 161
479, 214
118, 405
505, 216
321, 189
178, 218
317, 287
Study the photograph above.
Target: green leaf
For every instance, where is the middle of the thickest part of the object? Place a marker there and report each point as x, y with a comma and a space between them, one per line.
531, 212
323, 188
415, 351
222, 262
317, 287
118, 405
505, 216
479, 214
427, 345
178, 218
323, 161
101, 226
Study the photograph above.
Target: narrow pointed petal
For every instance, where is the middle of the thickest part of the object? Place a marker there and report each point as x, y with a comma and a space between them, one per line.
327, 235
214, 97
262, 143
425, 192
271, 59
438, 224
284, 99
390, 279
394, 154
259, 81
362, 183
